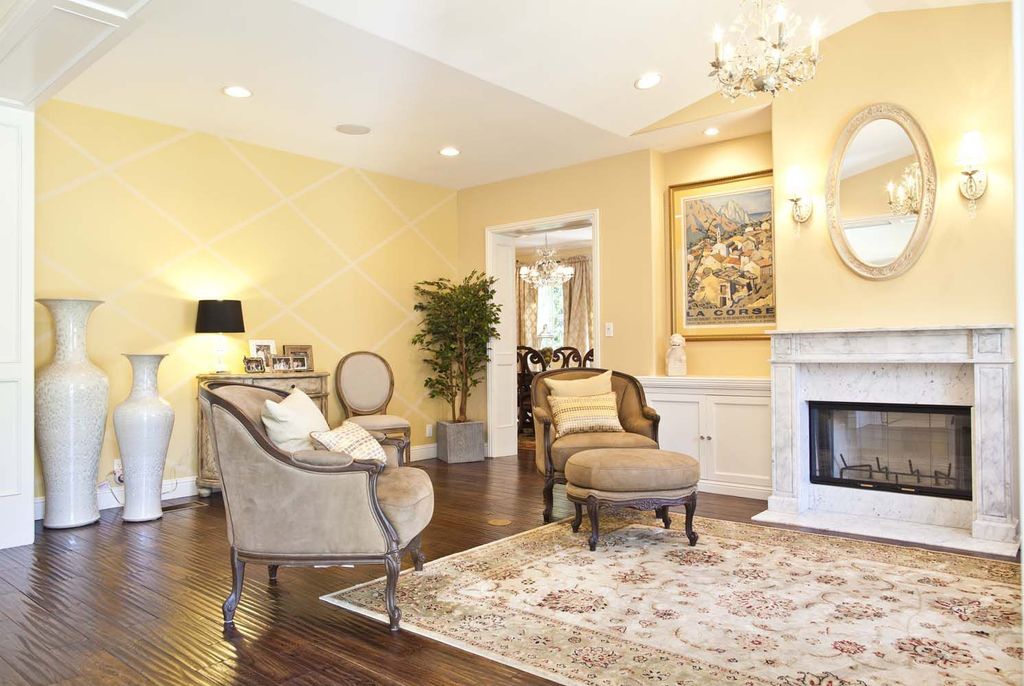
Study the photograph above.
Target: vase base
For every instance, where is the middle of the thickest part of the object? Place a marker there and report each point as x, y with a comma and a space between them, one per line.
142, 519
71, 525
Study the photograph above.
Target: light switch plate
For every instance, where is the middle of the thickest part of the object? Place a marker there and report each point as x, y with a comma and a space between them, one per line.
609, 329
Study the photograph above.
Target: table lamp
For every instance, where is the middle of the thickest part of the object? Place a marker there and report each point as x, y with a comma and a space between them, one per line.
220, 317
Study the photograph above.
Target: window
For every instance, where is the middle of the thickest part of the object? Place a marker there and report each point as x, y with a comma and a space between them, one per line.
550, 317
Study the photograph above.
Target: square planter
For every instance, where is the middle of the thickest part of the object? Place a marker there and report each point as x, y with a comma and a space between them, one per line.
460, 441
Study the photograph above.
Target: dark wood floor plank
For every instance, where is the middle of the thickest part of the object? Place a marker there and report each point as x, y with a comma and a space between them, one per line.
117, 603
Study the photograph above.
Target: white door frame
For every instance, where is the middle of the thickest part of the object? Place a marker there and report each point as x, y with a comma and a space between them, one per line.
17, 313
538, 225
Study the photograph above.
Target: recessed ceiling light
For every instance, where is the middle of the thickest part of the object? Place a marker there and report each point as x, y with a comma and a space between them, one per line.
236, 91
711, 131
352, 129
648, 80
449, 151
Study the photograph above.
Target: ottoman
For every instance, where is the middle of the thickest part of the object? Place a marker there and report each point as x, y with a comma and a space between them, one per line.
640, 478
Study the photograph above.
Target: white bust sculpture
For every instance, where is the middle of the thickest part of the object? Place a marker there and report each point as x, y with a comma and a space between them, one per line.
675, 358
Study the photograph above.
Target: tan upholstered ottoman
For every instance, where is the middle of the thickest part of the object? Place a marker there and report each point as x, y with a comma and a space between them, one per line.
643, 479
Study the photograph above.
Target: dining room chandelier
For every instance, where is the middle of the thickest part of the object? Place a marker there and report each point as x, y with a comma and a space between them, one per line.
760, 55
546, 271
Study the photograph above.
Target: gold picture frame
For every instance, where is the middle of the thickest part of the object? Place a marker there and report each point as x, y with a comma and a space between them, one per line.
735, 265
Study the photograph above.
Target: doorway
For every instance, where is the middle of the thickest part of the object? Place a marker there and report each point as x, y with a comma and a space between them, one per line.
544, 321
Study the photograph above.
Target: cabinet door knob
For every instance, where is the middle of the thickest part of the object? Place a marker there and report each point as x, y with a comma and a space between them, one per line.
702, 437
709, 438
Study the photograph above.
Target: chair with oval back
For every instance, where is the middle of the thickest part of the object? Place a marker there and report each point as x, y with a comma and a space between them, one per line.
365, 383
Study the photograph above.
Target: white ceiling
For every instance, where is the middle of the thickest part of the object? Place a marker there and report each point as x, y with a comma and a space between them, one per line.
519, 86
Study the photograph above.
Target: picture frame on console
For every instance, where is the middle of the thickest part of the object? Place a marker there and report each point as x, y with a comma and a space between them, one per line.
263, 347
280, 363
722, 247
303, 351
254, 365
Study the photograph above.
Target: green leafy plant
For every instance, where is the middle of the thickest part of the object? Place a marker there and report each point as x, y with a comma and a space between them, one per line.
458, 321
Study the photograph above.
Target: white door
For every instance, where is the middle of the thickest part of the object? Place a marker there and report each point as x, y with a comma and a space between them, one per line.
502, 427
738, 439
17, 236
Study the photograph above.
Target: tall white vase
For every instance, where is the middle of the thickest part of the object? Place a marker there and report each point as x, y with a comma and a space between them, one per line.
143, 424
71, 417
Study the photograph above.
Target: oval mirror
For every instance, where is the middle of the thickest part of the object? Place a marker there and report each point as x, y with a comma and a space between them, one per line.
881, 192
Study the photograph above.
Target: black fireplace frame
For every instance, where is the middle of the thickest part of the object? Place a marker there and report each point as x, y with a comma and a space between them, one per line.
913, 489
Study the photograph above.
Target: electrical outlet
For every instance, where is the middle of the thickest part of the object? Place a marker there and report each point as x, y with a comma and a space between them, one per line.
609, 329
430, 430
118, 471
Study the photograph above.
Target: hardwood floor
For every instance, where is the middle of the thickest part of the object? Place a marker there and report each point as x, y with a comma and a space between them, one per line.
117, 603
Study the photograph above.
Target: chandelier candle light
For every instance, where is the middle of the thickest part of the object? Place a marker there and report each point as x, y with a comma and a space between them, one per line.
762, 58
547, 271
905, 197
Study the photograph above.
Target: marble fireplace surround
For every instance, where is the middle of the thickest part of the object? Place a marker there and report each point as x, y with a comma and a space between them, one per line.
956, 365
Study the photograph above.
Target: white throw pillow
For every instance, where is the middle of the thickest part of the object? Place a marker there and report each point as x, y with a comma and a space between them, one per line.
599, 384
352, 439
289, 422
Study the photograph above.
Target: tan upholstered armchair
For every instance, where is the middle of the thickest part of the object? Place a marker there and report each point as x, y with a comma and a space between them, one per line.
639, 421
311, 507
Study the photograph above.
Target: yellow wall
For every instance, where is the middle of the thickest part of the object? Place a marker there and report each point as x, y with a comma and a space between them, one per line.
951, 69
150, 218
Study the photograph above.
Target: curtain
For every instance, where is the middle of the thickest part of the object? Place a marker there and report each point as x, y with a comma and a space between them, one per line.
526, 311
579, 316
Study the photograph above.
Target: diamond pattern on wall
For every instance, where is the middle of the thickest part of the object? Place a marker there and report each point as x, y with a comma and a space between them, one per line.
151, 218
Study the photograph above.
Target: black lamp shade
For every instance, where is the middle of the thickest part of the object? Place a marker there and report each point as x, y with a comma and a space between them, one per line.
219, 316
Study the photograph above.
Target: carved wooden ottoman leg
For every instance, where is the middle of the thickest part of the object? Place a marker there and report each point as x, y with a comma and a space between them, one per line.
691, 507
593, 509
272, 573
578, 519
662, 512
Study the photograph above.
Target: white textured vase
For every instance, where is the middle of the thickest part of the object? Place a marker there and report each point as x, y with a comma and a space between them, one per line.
71, 417
143, 424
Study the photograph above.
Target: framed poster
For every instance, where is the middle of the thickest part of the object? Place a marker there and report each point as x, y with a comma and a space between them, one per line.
722, 243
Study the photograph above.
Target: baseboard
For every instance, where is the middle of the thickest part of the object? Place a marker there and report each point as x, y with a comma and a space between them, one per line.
427, 451
738, 490
111, 497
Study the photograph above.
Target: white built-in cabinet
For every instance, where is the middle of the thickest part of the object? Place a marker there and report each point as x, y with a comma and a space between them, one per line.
724, 422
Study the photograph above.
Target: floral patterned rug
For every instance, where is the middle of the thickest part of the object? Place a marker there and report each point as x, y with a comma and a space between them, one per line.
747, 605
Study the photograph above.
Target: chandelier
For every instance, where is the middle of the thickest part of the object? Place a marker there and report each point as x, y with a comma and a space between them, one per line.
546, 271
905, 197
760, 58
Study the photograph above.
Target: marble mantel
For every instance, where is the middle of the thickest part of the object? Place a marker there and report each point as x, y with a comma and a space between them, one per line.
950, 365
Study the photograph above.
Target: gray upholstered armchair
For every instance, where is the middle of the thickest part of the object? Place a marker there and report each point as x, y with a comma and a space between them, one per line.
311, 507
639, 421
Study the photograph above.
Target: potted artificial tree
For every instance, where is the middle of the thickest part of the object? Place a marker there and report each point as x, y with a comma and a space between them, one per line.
458, 321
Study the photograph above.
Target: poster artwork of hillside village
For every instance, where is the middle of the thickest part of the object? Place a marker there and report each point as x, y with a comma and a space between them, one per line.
730, 259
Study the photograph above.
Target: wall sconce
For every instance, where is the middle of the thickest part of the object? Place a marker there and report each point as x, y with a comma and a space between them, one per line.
796, 187
973, 179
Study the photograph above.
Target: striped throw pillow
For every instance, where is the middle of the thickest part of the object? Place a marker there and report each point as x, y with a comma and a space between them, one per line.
351, 439
584, 414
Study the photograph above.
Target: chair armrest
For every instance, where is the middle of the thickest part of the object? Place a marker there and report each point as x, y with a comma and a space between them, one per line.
645, 424
541, 416
322, 458
395, 447
650, 413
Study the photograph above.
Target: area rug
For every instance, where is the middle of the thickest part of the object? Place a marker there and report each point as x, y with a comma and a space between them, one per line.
747, 605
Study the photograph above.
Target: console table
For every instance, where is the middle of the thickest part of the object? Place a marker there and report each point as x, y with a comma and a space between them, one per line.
313, 384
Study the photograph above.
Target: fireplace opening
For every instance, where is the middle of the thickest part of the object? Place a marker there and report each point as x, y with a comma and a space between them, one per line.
922, 449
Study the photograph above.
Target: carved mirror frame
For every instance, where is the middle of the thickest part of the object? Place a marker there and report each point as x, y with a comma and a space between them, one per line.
922, 228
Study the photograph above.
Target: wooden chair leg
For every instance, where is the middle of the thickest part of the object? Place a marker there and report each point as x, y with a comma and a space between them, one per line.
662, 512
593, 509
578, 519
549, 499
691, 507
237, 578
393, 564
272, 573
418, 558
